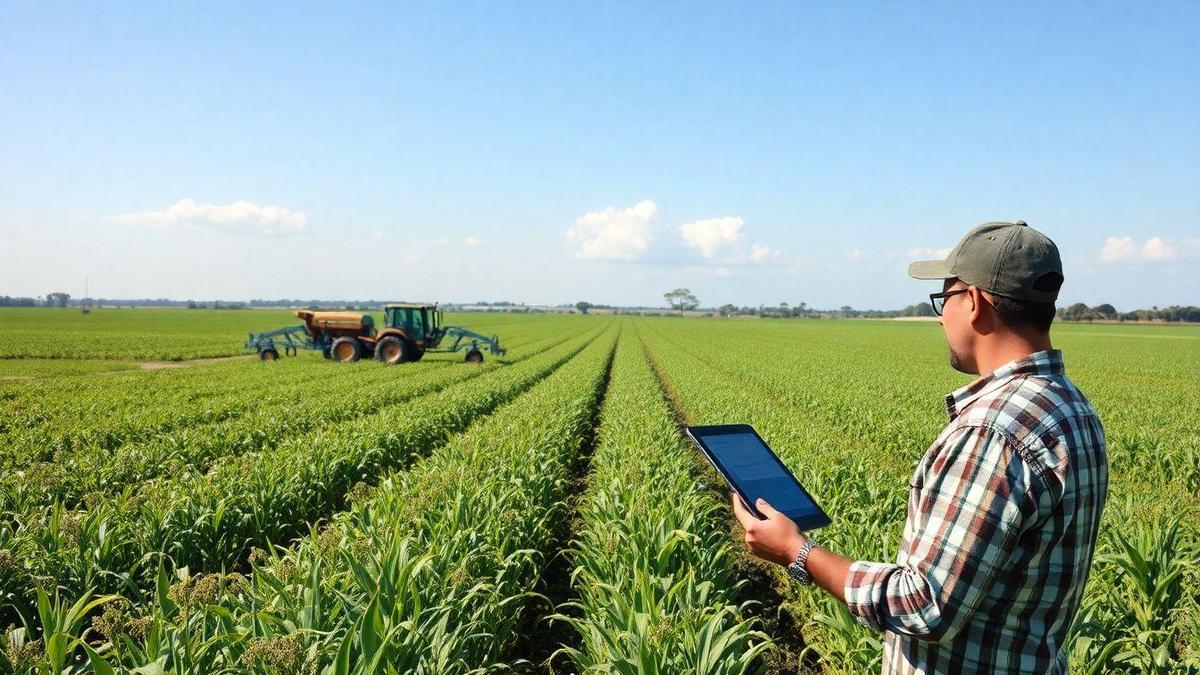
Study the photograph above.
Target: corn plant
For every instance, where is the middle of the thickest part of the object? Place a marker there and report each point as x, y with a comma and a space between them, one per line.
433, 571
403, 519
854, 406
94, 470
653, 566
210, 522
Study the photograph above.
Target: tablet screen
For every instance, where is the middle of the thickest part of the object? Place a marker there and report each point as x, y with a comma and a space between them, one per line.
754, 468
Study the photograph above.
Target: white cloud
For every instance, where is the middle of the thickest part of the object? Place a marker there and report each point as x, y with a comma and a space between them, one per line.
471, 242
1157, 249
1154, 249
241, 217
856, 254
761, 253
939, 253
614, 234
412, 258
710, 234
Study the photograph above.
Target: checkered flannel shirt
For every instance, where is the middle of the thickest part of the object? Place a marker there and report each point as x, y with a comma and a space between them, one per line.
1003, 512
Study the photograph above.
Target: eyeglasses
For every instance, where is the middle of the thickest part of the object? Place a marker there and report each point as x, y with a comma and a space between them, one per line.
938, 300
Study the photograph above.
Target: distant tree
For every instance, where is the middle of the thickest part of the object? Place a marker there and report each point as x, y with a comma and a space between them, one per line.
191, 304
847, 310
583, 307
1078, 312
681, 299
1106, 311
727, 310
919, 309
6, 301
57, 299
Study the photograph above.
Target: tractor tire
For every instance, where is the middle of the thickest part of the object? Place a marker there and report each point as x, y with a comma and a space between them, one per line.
346, 350
474, 356
325, 353
392, 350
268, 355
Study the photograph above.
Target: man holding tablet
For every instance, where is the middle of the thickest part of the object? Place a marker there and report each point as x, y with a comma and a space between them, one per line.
1003, 509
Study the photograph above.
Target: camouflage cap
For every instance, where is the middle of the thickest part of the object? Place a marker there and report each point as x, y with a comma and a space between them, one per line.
1009, 259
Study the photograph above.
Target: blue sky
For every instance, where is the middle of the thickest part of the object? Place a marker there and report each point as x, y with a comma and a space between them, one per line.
608, 151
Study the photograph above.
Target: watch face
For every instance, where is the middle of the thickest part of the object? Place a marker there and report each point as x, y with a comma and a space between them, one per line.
798, 573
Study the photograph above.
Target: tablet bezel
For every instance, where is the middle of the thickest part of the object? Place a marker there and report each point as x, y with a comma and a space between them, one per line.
697, 434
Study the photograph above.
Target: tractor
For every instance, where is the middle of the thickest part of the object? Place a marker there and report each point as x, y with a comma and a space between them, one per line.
408, 332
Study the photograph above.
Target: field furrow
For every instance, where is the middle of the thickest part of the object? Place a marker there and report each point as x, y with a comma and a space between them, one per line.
210, 521
541, 512
655, 581
432, 571
77, 475
57, 418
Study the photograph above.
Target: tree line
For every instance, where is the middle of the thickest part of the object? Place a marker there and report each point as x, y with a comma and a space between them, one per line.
683, 300
680, 300
1106, 312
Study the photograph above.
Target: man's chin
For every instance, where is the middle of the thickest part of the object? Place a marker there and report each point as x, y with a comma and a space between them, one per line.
958, 364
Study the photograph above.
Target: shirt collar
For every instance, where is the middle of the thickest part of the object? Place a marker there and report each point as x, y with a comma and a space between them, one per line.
1044, 363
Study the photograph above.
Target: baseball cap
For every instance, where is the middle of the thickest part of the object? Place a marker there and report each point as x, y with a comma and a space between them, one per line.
1009, 259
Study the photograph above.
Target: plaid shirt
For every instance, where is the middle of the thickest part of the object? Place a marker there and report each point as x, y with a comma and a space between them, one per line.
1003, 513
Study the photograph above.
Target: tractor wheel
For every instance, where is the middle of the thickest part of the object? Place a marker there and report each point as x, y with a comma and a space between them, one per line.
474, 356
268, 355
392, 350
345, 349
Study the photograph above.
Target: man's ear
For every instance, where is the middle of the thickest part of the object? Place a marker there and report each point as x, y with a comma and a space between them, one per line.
974, 296
981, 317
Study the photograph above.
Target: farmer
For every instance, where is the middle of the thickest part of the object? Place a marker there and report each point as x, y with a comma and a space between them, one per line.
1004, 507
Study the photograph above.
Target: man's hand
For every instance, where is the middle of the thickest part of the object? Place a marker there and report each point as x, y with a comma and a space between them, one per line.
776, 539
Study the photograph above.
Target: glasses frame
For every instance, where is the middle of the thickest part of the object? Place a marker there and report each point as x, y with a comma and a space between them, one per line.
938, 300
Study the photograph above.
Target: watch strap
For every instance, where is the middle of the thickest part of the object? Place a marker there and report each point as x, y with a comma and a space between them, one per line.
798, 570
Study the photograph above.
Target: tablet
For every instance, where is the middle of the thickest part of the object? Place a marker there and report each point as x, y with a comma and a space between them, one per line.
753, 471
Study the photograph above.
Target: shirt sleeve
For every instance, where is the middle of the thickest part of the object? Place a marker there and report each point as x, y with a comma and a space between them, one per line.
974, 502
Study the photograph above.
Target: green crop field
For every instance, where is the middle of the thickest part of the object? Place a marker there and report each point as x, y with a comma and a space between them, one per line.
540, 512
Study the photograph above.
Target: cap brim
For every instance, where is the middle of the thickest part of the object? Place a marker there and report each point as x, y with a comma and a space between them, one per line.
930, 269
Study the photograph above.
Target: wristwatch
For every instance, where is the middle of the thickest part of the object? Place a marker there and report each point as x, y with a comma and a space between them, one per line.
798, 570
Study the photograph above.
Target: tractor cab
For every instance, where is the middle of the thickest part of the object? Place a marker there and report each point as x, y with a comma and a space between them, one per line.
421, 323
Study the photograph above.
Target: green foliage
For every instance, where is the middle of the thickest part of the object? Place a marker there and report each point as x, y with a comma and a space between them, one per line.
312, 517
851, 407
210, 520
653, 562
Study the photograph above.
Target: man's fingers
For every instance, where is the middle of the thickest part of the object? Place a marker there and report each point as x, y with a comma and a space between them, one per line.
743, 514
765, 508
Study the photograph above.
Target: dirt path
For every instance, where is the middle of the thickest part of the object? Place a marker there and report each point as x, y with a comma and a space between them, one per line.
160, 365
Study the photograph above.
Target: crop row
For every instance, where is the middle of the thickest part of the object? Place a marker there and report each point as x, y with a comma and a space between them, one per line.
654, 572
434, 571
76, 475
51, 417
824, 461
57, 417
209, 521
853, 440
